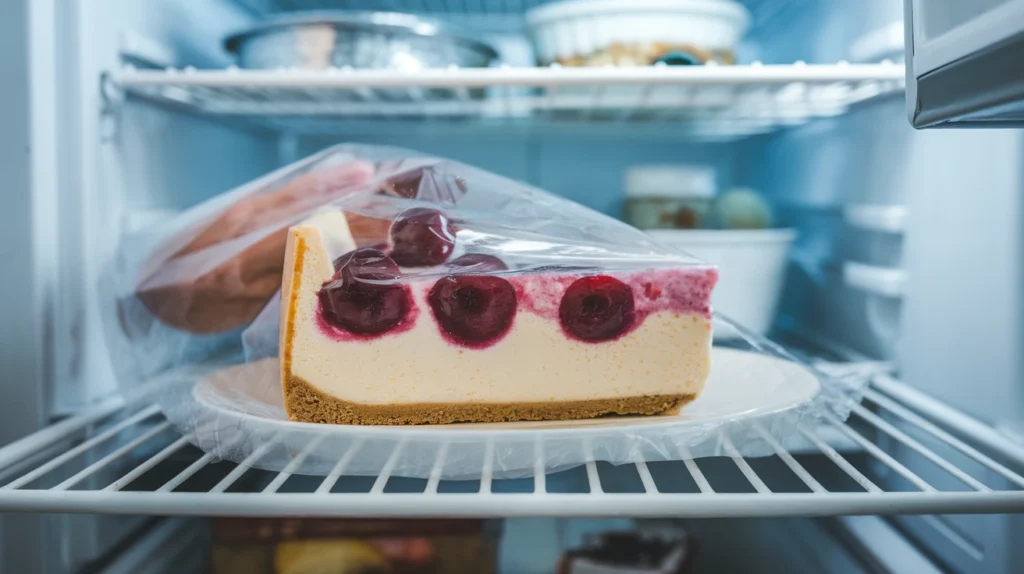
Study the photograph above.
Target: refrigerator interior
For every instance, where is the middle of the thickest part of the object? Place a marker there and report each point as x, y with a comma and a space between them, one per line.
943, 226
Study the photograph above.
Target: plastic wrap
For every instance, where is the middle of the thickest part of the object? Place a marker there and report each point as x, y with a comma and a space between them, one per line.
198, 309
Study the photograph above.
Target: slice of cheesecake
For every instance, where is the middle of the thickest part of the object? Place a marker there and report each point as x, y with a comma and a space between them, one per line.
362, 342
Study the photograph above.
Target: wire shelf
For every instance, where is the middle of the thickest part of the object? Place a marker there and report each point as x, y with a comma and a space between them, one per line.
126, 459
706, 102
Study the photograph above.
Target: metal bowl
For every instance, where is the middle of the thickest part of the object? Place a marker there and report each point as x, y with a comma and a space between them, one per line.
368, 40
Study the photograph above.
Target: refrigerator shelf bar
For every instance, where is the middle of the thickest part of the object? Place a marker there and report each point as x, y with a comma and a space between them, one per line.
127, 461
705, 102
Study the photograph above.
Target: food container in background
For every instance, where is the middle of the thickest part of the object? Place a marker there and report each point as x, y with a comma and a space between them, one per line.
352, 546
639, 552
751, 265
637, 32
363, 40
741, 208
669, 196
318, 40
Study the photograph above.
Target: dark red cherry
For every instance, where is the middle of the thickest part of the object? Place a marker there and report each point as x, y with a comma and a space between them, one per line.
422, 237
478, 263
367, 259
473, 310
597, 308
363, 297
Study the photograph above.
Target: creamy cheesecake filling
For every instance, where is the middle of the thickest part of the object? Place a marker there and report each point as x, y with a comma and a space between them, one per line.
666, 352
535, 362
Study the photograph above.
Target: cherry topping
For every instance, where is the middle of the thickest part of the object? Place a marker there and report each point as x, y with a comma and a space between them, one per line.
474, 310
478, 262
422, 237
363, 297
597, 308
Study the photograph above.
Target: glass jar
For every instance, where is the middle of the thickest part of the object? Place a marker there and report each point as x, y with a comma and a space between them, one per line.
669, 196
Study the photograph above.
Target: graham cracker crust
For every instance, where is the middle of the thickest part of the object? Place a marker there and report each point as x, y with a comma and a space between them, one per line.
306, 403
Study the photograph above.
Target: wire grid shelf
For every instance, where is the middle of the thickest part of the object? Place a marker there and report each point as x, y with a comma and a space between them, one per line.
707, 102
127, 459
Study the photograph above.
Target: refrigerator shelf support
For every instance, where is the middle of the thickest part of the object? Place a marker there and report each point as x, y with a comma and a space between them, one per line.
705, 102
124, 459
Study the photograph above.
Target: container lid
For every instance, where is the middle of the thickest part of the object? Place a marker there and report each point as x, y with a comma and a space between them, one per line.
726, 9
675, 181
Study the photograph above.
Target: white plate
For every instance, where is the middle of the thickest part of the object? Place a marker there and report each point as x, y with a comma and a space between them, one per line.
239, 409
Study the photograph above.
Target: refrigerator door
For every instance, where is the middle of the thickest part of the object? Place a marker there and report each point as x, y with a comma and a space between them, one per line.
963, 64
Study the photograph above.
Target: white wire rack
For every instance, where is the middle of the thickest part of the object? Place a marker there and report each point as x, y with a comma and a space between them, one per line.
710, 102
126, 459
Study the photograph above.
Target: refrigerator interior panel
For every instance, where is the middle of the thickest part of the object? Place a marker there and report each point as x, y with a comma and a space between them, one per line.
99, 165
963, 71
816, 31
27, 259
962, 318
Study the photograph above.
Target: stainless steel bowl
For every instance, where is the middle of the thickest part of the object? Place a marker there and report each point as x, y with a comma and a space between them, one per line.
374, 40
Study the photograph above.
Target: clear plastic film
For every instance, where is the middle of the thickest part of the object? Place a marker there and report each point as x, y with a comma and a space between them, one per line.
198, 308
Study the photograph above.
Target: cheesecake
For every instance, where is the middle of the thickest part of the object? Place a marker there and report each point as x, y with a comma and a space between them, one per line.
414, 332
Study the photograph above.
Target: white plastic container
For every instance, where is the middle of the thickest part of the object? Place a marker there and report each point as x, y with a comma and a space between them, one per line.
575, 28
751, 265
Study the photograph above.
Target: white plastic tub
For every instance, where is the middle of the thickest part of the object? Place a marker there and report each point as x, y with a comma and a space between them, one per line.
563, 30
751, 264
